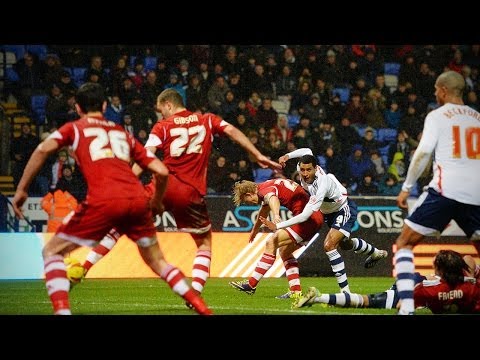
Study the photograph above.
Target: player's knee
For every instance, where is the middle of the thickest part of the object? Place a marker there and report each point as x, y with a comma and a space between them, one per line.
346, 244
146, 242
380, 300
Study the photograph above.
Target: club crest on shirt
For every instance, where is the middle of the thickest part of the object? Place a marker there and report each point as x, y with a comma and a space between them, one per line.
312, 200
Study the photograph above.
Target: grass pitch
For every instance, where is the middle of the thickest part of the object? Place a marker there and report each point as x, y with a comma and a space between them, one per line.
154, 297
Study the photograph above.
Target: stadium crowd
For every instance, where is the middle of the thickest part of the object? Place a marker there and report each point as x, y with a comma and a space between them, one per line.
360, 108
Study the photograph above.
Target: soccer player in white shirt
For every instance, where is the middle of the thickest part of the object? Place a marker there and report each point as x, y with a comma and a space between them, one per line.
452, 134
340, 213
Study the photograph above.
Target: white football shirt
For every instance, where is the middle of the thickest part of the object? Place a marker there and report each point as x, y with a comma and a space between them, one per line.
452, 134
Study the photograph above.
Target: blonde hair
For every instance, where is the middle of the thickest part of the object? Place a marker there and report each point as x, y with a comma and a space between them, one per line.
172, 96
453, 81
241, 188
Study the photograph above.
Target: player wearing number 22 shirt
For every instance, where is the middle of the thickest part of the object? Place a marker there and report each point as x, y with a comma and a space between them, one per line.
185, 139
451, 134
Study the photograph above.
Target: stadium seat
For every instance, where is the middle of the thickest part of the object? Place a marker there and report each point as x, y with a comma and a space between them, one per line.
391, 81
39, 50
391, 68
18, 50
387, 134
293, 120
10, 59
150, 63
132, 61
343, 93
38, 108
12, 75
280, 107
260, 175
69, 70
361, 130
383, 151
78, 75
322, 161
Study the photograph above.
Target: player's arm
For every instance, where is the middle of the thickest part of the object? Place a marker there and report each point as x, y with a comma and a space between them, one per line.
35, 163
160, 172
236, 135
145, 159
264, 210
302, 217
293, 155
274, 203
420, 160
313, 205
137, 169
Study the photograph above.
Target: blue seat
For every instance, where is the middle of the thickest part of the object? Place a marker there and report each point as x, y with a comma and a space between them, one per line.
150, 63
391, 68
18, 50
39, 50
260, 175
132, 61
343, 93
387, 134
78, 75
69, 70
11, 75
322, 161
38, 108
293, 120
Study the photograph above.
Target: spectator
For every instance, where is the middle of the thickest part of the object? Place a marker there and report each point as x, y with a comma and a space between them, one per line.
114, 110
73, 183
358, 164
389, 185
398, 168
57, 204
21, 149
367, 186
393, 115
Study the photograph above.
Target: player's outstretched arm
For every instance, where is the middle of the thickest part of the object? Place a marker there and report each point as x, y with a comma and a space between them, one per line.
240, 138
160, 172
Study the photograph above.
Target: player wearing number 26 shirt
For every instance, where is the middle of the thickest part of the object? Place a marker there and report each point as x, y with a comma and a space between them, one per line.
115, 198
185, 139
451, 135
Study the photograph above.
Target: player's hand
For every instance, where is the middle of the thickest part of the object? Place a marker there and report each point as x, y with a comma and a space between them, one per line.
402, 199
283, 160
277, 219
252, 237
157, 207
268, 223
265, 162
18, 201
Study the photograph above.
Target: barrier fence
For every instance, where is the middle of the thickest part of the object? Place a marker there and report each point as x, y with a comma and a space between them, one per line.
379, 222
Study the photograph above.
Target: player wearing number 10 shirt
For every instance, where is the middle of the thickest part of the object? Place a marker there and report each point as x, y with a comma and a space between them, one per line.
452, 135
185, 139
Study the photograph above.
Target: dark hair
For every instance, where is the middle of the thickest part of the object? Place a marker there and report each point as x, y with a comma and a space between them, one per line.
90, 97
308, 159
450, 266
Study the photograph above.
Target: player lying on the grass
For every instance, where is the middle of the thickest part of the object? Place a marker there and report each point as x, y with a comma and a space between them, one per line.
339, 211
453, 289
272, 194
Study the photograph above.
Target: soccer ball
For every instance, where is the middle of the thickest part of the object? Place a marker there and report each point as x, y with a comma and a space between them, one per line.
75, 270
